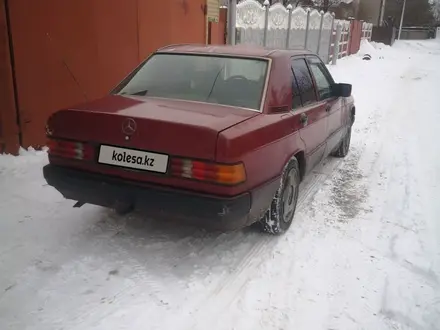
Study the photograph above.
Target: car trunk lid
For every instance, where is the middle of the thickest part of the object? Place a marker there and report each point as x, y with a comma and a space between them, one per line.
170, 127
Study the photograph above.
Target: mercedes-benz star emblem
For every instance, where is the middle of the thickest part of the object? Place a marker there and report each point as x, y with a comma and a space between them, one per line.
129, 126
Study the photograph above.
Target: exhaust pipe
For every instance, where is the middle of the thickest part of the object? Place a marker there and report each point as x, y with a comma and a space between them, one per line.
123, 207
78, 204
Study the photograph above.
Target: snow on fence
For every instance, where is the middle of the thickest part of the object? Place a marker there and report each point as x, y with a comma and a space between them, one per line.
283, 27
277, 26
367, 31
339, 40
345, 38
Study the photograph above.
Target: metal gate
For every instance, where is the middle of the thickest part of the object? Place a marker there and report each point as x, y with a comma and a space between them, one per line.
9, 138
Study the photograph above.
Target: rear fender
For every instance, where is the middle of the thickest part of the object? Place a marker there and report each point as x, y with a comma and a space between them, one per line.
299, 156
263, 196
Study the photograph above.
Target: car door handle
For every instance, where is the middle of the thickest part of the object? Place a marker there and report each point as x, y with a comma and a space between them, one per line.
328, 108
304, 119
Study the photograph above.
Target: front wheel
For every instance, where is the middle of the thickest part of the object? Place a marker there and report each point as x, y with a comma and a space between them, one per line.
344, 146
279, 217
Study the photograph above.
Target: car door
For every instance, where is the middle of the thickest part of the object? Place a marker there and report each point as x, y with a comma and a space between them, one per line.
323, 83
309, 111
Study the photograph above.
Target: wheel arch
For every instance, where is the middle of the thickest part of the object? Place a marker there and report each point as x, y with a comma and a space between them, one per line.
300, 158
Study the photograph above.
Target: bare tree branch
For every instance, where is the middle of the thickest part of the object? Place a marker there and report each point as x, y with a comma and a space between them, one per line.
436, 9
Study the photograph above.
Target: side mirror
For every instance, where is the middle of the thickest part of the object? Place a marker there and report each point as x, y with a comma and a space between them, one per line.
342, 90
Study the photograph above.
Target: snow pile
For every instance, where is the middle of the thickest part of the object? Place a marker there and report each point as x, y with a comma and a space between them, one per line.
374, 49
418, 46
378, 45
10, 163
366, 48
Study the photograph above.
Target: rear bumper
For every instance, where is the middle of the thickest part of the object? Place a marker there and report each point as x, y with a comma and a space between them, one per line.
212, 211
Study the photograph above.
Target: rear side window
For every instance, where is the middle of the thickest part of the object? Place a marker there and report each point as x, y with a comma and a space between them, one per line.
296, 101
304, 80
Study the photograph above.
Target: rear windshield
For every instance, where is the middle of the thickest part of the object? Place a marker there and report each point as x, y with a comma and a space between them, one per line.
221, 80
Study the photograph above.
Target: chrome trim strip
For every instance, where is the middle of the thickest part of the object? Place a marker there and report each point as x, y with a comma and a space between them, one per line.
266, 85
307, 107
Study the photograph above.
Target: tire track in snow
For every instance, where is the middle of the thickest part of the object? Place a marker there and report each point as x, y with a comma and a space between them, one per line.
230, 287
401, 176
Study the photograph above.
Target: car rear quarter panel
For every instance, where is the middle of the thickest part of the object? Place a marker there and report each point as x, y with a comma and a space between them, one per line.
264, 143
279, 87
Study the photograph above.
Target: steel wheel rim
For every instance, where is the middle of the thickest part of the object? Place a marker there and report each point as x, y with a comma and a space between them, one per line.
288, 198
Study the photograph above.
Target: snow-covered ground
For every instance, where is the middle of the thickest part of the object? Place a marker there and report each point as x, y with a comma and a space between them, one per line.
364, 252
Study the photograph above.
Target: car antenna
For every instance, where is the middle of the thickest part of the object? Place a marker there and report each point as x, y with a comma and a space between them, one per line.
70, 71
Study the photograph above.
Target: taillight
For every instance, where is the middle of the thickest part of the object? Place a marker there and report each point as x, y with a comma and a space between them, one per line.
208, 172
70, 149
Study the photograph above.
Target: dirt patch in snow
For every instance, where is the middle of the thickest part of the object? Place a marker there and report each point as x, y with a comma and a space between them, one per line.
349, 193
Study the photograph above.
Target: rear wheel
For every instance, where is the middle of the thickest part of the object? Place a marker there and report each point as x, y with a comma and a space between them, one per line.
279, 217
344, 146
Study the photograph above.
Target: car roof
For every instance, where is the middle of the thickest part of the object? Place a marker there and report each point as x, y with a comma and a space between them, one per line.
229, 50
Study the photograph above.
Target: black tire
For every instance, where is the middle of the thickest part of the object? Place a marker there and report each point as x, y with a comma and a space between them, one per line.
276, 221
344, 146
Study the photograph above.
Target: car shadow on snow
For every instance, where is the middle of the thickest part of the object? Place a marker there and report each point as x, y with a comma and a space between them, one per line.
159, 247
168, 247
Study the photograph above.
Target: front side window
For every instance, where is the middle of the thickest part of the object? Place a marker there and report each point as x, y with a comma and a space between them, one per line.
206, 78
322, 79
